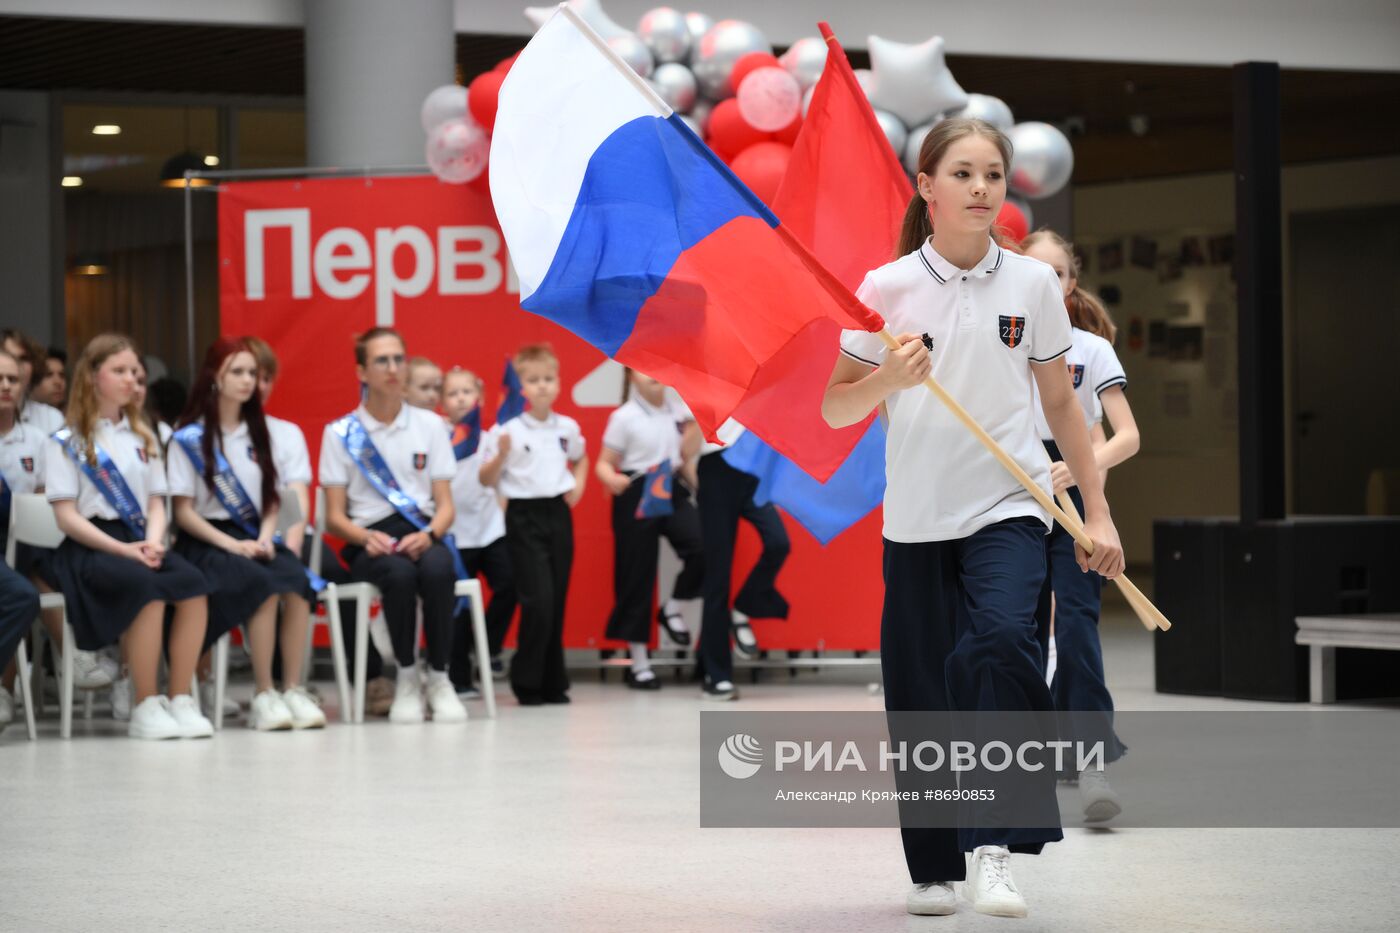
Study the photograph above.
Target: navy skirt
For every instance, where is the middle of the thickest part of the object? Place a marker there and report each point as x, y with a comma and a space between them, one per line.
239, 585
104, 593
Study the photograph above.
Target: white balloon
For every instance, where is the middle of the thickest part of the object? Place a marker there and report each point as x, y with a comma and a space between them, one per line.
913, 143
913, 81
713, 60
634, 52
457, 151
1042, 161
448, 102
676, 86
894, 130
866, 80
665, 32
805, 60
591, 12
989, 108
769, 99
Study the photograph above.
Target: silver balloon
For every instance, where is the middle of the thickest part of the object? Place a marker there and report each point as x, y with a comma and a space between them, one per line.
913, 81
1043, 159
700, 113
698, 24
805, 60
665, 33
726, 43
894, 130
989, 108
448, 102
913, 143
676, 85
694, 125
634, 52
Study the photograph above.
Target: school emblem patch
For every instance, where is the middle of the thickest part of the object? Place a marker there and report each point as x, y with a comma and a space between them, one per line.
420, 461
1076, 372
252, 453
27, 463
1012, 329
141, 452
563, 445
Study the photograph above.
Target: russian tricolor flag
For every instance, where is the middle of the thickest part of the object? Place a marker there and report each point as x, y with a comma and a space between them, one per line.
627, 230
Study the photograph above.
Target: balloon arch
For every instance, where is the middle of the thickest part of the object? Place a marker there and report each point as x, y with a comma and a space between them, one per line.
748, 105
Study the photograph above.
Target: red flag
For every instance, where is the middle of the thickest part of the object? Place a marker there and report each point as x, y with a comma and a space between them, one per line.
843, 196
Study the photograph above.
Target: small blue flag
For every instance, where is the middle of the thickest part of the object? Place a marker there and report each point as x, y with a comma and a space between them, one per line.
466, 434
512, 401
656, 492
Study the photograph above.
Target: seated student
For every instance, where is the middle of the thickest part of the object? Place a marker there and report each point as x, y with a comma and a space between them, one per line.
537, 462
21, 471
226, 503
479, 530
30, 353
387, 470
106, 481
646, 435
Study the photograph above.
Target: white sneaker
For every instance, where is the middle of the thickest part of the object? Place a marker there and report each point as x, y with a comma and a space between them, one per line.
7, 708
989, 886
935, 899
442, 699
407, 708
151, 719
269, 712
206, 701
89, 673
306, 712
1101, 802
190, 721
121, 699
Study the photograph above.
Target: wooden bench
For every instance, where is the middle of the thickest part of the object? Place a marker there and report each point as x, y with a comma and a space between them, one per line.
1325, 634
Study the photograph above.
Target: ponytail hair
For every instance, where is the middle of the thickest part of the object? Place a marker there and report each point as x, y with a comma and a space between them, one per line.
1086, 310
917, 225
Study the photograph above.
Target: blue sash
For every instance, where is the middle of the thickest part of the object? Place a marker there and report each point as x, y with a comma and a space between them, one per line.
230, 492
466, 434
108, 480
372, 466
656, 492
4, 502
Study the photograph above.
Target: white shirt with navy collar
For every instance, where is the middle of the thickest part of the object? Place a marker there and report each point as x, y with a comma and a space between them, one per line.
144, 473
416, 449
1093, 369
537, 466
242, 459
22, 459
988, 324
643, 434
288, 451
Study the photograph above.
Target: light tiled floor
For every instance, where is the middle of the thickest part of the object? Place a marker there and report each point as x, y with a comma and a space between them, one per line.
581, 818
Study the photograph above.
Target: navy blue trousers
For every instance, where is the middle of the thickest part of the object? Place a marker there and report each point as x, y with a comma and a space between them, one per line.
1078, 686
19, 606
958, 633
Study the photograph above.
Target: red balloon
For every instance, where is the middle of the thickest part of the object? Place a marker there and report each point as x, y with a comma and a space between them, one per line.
788, 134
762, 167
482, 97
748, 63
730, 134
1011, 222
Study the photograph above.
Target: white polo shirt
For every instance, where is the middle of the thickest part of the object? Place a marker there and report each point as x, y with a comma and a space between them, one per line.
22, 459
43, 416
645, 434
415, 447
479, 518
144, 474
988, 325
288, 451
186, 481
537, 466
1093, 367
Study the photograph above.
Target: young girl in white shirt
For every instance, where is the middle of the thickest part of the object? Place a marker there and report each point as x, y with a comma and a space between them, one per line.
964, 555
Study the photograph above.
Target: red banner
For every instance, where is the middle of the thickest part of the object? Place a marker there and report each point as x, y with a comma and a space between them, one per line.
308, 264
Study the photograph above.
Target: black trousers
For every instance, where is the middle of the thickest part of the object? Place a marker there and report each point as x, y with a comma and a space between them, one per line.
402, 583
492, 562
540, 535
725, 496
19, 607
636, 545
958, 632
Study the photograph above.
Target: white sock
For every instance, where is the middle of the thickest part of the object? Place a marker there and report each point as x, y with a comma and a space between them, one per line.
641, 664
738, 616
674, 611
436, 677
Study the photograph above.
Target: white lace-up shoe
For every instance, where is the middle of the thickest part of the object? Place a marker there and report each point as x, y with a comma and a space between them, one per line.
185, 711
1101, 802
269, 712
89, 673
989, 886
151, 719
443, 701
935, 899
306, 712
407, 708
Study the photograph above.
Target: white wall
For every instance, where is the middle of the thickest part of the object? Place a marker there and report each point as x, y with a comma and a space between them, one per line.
27, 189
1346, 34
1190, 468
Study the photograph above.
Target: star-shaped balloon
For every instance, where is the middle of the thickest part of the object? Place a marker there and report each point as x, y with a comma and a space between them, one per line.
590, 10
912, 81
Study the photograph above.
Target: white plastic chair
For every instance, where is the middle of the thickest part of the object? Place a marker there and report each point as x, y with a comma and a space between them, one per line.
362, 593
32, 522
